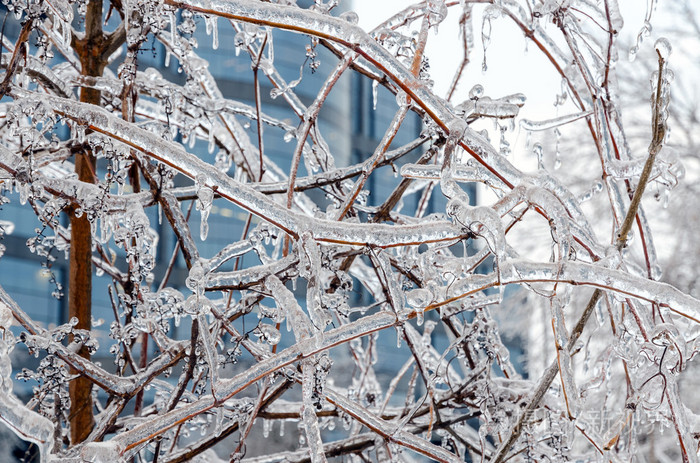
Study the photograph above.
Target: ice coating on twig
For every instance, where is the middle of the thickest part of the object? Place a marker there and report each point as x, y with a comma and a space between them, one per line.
535, 126
663, 48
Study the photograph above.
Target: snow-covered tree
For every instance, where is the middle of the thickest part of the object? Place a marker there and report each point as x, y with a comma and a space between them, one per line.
101, 148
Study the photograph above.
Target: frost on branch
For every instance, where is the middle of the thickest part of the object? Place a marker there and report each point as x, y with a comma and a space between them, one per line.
386, 264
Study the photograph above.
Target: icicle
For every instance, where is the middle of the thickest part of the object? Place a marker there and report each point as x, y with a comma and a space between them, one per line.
490, 14
420, 316
212, 29
212, 140
23, 189
191, 139
80, 133
205, 197
93, 230
537, 151
375, 92
270, 52
309, 420
310, 270
220, 420
644, 32
596, 188
66, 33
296, 318
504, 145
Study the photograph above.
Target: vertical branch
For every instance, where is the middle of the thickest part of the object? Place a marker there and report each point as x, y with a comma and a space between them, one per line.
466, 17
80, 274
309, 119
374, 161
258, 110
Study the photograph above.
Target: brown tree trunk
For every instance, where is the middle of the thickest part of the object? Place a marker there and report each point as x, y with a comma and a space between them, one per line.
80, 306
90, 49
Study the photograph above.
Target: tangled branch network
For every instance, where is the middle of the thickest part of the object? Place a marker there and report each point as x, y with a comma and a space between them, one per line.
278, 215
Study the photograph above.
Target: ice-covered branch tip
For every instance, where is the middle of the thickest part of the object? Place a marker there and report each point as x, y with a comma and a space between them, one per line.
660, 100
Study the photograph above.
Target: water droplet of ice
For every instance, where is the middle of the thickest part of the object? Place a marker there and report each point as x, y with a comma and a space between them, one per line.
663, 48
350, 16
269, 334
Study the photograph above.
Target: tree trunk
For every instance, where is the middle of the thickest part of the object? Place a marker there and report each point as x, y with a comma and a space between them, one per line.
90, 49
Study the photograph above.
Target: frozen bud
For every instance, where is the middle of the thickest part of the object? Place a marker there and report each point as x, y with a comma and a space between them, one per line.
476, 92
663, 48
420, 297
269, 334
196, 277
350, 16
